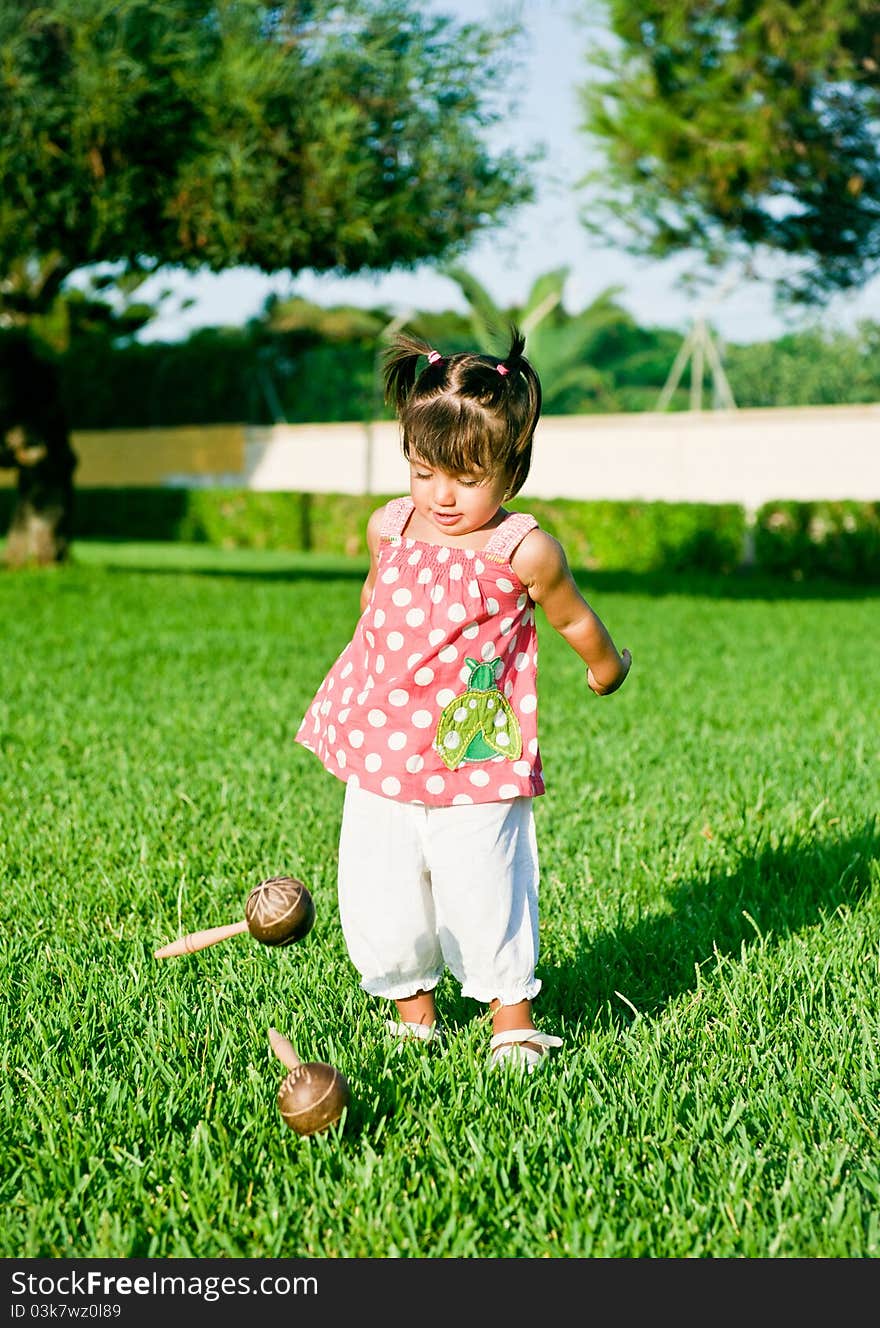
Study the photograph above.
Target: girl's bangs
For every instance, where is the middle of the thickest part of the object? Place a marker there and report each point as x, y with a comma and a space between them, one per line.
458, 442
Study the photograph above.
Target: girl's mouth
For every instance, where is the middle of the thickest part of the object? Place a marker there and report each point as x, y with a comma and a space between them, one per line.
446, 518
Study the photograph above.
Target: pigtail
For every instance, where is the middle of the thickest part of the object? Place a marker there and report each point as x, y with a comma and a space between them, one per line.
400, 365
514, 358
522, 399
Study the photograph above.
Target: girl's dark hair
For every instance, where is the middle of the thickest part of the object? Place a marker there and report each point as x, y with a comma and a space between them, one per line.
465, 412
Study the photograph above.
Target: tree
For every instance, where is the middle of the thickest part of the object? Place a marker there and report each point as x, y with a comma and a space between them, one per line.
741, 128
210, 134
814, 367
326, 358
575, 355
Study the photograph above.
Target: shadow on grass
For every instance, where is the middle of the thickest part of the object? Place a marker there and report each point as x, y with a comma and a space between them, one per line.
716, 585
239, 565
244, 564
773, 893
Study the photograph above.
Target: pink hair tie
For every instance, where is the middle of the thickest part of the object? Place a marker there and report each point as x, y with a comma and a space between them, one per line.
502, 369
434, 356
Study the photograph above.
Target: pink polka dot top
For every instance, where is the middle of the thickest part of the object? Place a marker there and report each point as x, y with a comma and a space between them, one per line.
434, 700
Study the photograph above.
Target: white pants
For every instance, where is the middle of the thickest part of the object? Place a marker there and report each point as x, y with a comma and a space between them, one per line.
425, 888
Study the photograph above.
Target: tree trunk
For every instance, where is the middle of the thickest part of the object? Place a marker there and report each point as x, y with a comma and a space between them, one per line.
41, 528
35, 441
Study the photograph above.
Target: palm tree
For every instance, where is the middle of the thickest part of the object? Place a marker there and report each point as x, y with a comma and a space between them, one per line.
564, 348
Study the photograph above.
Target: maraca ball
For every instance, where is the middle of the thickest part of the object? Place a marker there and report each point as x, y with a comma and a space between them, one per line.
313, 1097
279, 911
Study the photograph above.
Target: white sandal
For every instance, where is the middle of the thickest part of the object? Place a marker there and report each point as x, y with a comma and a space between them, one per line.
409, 1032
524, 1048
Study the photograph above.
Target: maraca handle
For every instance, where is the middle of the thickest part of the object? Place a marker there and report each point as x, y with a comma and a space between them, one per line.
283, 1049
199, 940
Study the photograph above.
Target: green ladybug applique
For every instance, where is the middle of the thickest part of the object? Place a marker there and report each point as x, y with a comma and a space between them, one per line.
479, 724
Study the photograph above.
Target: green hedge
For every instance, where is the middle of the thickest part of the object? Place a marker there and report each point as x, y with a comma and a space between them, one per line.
644, 537
836, 540
228, 518
839, 540
608, 536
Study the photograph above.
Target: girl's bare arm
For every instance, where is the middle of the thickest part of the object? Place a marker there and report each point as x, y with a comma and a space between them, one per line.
374, 526
541, 565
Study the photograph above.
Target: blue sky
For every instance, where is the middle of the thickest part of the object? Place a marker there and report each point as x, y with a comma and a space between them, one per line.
541, 237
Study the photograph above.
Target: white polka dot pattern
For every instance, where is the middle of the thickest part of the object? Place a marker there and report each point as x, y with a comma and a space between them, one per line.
437, 619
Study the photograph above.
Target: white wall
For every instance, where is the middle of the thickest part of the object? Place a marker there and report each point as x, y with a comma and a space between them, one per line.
740, 456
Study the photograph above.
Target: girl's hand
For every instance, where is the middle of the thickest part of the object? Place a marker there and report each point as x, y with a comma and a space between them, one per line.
598, 688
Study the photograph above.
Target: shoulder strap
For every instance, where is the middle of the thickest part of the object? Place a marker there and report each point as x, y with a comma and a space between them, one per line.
397, 513
509, 534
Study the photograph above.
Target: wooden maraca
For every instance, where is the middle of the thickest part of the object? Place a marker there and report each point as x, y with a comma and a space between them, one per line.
278, 911
314, 1094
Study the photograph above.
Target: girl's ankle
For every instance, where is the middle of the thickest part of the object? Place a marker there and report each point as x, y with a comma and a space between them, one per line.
418, 1010
505, 1018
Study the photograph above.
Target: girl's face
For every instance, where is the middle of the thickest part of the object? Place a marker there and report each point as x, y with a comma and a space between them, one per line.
455, 504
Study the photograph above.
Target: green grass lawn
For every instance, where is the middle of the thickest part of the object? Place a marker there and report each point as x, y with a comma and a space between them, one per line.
710, 935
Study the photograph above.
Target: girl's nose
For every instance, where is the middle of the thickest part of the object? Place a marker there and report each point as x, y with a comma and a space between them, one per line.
444, 491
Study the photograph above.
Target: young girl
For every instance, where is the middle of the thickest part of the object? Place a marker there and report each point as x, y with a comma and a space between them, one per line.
430, 714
